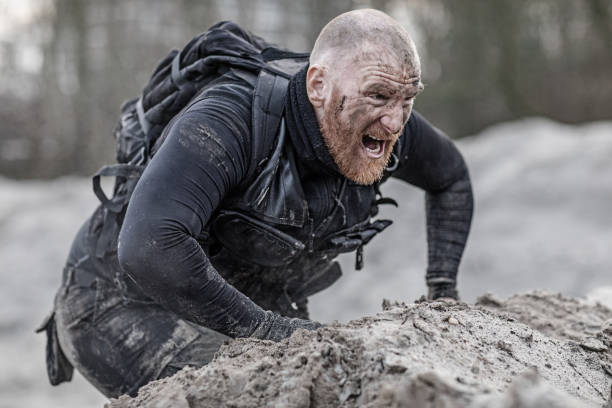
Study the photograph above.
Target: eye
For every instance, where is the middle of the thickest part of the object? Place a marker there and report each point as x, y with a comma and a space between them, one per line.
379, 97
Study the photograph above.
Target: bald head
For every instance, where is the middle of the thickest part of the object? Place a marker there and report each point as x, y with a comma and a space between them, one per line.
348, 33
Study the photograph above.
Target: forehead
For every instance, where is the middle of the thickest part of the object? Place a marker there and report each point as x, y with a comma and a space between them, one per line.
378, 66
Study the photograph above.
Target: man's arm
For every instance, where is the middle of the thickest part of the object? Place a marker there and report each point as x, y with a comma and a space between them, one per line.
430, 160
205, 155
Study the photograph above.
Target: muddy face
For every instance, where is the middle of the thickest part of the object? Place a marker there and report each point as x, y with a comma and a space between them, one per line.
369, 104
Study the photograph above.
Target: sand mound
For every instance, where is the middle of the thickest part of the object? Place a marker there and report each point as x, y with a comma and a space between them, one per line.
532, 350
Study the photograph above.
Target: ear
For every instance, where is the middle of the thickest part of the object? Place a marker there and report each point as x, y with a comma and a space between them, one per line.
317, 85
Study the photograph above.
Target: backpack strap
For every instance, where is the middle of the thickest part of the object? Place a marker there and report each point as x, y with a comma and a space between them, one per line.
274, 193
126, 177
268, 107
175, 73
122, 171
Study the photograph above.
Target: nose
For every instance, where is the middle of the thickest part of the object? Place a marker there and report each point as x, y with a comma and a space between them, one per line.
392, 120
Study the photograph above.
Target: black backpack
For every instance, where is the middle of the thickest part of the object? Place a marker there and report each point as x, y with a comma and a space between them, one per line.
176, 80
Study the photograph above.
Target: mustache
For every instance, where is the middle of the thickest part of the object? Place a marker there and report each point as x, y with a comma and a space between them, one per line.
379, 133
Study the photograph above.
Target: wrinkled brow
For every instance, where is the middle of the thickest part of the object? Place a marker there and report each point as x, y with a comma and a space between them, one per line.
392, 88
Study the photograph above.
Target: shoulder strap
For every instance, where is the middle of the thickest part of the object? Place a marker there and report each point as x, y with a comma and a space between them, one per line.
274, 194
268, 106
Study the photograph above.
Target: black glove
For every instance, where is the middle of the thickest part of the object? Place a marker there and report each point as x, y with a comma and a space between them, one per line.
443, 290
276, 327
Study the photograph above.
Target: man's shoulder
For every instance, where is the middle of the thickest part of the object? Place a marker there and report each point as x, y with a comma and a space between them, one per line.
233, 90
246, 110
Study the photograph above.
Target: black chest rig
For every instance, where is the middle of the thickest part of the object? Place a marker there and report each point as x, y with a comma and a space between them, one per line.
263, 239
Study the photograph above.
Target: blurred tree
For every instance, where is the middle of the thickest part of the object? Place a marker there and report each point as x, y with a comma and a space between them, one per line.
483, 62
320, 12
502, 60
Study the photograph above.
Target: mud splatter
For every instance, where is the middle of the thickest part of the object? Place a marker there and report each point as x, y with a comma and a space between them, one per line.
340, 107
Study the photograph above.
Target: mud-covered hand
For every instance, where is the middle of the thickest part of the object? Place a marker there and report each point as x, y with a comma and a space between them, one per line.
443, 290
276, 327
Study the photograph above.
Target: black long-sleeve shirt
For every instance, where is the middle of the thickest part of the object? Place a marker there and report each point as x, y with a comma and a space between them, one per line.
208, 154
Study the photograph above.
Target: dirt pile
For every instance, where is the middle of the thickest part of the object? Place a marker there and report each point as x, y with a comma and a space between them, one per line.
532, 350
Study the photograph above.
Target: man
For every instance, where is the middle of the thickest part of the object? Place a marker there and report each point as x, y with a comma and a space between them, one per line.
197, 263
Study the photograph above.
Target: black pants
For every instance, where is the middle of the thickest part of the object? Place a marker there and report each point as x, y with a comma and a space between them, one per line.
118, 342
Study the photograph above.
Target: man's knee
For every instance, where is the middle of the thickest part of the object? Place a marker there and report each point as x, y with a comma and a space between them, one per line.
120, 346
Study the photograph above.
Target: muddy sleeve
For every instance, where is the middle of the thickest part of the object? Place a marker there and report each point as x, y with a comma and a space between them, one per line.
431, 161
205, 155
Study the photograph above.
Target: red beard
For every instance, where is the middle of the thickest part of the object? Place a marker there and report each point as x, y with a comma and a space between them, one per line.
346, 147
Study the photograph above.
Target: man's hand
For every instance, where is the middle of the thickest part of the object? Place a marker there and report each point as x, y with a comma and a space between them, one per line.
276, 327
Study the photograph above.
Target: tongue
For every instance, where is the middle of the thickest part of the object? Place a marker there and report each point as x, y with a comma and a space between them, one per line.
371, 144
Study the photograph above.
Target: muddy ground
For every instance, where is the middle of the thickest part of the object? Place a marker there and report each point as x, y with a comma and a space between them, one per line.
531, 350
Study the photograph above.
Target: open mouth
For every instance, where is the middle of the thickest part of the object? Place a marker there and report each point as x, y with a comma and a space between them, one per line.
374, 148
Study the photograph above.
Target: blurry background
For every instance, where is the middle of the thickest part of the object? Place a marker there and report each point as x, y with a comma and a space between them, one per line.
526, 86
66, 65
